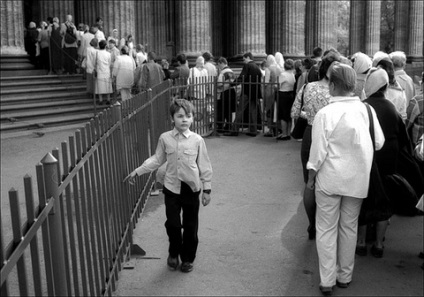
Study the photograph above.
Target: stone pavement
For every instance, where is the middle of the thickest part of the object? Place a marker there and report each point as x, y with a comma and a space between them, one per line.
253, 238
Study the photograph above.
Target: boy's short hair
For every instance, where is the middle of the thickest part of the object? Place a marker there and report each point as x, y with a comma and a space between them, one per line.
177, 104
112, 41
317, 52
102, 44
207, 56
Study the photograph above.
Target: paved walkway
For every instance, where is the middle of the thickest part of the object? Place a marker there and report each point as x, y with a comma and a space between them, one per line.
253, 238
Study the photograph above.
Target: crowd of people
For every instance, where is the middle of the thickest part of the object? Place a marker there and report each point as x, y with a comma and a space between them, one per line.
327, 89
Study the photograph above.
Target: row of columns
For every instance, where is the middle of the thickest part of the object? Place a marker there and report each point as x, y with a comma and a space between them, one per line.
291, 27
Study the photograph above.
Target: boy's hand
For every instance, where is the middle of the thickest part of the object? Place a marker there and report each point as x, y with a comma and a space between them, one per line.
130, 178
206, 199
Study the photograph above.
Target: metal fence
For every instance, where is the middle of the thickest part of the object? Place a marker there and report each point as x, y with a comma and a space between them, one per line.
78, 234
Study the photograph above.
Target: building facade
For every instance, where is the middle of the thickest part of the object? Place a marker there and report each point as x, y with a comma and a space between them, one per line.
225, 28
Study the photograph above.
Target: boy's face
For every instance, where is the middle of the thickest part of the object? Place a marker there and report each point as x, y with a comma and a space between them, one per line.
182, 120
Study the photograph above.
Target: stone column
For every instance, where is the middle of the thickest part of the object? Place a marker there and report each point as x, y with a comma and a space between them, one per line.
86, 11
401, 25
193, 21
372, 29
217, 7
357, 26
58, 9
416, 28
248, 28
310, 26
292, 42
118, 15
326, 24
12, 28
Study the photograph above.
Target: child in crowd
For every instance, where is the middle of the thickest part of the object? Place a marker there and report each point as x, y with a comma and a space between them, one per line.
188, 168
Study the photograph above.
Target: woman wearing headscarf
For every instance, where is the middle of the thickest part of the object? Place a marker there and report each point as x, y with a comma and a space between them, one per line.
317, 95
279, 59
43, 40
197, 75
394, 92
272, 72
123, 73
361, 64
339, 166
103, 82
31, 40
285, 99
394, 131
56, 47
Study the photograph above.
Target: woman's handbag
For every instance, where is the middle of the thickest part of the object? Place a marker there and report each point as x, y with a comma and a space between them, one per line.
377, 202
301, 123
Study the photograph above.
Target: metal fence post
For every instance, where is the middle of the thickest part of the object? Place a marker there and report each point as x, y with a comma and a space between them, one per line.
55, 224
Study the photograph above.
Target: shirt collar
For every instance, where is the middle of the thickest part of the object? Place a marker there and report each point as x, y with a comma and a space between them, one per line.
186, 134
343, 99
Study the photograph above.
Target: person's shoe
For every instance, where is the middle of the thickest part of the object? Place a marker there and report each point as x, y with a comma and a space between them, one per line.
377, 252
311, 232
187, 267
252, 134
281, 137
269, 134
342, 285
231, 134
361, 250
421, 255
326, 291
173, 262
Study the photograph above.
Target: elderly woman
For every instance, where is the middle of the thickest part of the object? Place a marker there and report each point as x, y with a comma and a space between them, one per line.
272, 72
316, 97
123, 73
285, 99
339, 166
394, 131
361, 64
103, 82
197, 75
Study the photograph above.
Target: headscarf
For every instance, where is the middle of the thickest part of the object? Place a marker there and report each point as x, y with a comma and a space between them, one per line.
280, 60
200, 62
376, 79
362, 63
378, 56
270, 60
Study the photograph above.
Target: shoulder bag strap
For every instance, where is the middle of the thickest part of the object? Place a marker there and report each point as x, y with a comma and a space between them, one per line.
371, 125
303, 94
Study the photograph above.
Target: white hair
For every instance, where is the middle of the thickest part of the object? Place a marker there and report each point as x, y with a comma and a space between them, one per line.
398, 58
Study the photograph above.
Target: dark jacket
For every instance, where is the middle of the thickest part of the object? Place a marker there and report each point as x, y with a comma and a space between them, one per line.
251, 77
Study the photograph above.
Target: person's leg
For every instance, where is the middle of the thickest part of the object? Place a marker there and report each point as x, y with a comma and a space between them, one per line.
190, 207
310, 208
361, 244
253, 116
327, 221
173, 222
348, 226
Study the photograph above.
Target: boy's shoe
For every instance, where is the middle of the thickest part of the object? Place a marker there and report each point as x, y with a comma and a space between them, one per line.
187, 267
377, 252
173, 262
361, 250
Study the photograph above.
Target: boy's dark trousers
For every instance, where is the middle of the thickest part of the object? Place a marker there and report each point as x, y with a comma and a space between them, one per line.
184, 244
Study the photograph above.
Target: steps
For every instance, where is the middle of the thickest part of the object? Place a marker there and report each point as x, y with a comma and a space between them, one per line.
31, 103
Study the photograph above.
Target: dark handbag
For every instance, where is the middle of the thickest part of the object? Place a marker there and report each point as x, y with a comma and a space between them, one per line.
301, 123
376, 207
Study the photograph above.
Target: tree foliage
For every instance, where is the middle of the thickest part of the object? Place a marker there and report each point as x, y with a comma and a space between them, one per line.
387, 26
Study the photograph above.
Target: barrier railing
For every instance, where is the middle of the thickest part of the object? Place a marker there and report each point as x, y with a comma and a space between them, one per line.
78, 234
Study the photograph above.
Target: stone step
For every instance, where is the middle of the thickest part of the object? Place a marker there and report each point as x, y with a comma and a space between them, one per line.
43, 88
33, 114
48, 104
56, 120
41, 97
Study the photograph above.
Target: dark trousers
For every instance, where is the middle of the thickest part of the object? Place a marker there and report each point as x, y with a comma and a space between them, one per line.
183, 243
70, 55
225, 107
251, 106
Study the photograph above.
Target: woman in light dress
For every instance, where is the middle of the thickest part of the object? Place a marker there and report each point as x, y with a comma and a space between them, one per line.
103, 84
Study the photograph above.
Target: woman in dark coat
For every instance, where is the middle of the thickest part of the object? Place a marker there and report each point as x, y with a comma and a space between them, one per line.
56, 48
31, 40
387, 158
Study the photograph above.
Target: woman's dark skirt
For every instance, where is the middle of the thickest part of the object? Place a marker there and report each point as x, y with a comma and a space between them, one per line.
285, 102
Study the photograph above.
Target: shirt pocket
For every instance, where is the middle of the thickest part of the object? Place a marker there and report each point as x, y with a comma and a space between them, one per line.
169, 152
190, 156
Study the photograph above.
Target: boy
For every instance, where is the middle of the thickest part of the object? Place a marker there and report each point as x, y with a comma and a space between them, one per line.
188, 166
